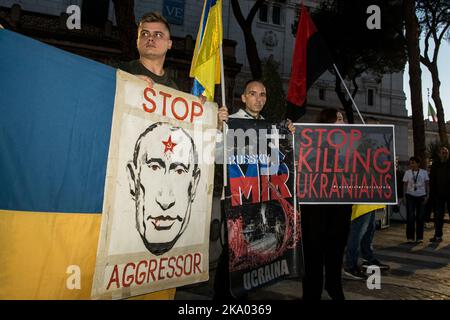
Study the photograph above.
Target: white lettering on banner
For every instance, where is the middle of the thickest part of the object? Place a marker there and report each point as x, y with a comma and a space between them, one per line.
267, 273
249, 159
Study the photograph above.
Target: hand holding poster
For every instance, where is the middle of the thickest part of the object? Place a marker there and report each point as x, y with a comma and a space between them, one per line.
345, 164
158, 192
263, 223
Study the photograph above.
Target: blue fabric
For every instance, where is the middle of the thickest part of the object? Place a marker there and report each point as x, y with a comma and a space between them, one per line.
235, 171
362, 231
367, 240
197, 88
55, 122
208, 5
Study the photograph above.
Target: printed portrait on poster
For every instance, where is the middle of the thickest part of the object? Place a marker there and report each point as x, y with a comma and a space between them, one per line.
163, 182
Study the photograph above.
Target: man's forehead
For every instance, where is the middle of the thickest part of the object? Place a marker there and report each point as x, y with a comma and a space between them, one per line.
153, 26
256, 87
168, 143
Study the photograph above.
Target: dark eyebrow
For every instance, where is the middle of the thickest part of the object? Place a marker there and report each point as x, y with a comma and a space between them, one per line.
176, 164
255, 92
157, 160
158, 31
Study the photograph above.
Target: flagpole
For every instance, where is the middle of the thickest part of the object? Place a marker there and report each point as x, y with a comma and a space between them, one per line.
224, 127
348, 92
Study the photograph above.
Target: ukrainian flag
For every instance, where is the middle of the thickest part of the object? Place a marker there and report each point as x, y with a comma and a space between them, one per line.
55, 122
205, 67
359, 210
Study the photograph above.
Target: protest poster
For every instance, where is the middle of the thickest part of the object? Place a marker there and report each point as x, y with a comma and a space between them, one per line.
345, 164
264, 234
158, 191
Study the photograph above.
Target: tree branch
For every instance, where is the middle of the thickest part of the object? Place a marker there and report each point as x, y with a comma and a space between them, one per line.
425, 61
250, 43
253, 11
444, 31
437, 43
427, 46
238, 14
356, 88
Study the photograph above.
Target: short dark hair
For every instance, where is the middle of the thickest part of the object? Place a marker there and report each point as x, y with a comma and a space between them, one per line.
154, 16
253, 80
328, 115
416, 159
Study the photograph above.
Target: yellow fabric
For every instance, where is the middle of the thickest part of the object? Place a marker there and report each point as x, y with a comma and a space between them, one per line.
205, 65
37, 249
361, 209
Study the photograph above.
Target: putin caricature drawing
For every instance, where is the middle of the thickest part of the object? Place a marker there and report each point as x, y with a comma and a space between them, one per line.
163, 177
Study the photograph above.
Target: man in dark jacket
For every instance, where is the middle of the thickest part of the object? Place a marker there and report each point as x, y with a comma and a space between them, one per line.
440, 190
153, 42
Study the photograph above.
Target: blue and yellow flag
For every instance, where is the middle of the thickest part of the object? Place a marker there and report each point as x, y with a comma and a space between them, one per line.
205, 67
359, 210
55, 122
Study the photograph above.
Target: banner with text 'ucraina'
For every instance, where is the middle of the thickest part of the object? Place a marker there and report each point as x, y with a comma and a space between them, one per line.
158, 191
264, 235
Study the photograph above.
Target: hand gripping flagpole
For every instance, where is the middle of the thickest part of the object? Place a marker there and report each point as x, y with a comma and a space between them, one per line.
225, 126
348, 92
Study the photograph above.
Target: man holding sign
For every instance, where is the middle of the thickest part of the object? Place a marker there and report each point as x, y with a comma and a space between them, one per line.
153, 43
254, 99
147, 243
338, 165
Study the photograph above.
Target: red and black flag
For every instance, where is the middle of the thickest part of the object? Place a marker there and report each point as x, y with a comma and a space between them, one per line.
311, 58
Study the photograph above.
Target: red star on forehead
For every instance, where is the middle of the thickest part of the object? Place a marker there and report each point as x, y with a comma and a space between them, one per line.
169, 145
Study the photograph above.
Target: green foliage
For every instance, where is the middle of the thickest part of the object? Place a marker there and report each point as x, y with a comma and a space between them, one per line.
355, 48
275, 105
434, 17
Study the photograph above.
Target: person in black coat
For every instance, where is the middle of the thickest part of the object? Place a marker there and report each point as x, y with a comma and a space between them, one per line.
440, 191
325, 231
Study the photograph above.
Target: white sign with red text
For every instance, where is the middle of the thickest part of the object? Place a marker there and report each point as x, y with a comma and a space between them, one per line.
158, 191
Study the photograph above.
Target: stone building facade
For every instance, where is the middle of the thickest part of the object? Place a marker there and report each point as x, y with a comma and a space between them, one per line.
272, 29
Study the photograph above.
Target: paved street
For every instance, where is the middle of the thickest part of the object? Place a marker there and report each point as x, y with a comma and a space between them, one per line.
418, 272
